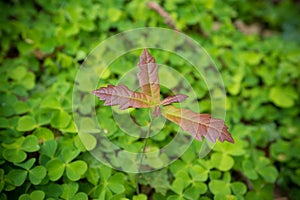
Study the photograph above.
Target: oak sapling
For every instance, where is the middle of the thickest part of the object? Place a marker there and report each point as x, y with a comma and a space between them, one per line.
197, 124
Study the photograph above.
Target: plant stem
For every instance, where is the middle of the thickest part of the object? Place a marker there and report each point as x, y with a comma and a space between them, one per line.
145, 142
143, 151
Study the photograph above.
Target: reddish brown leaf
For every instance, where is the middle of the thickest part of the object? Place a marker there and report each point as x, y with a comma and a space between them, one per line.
124, 97
198, 124
173, 99
148, 76
156, 111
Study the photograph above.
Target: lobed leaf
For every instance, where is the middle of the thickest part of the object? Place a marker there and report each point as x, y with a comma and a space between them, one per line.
16, 177
14, 155
198, 124
76, 169
124, 97
37, 174
55, 169
36, 195
148, 76
30, 144
27, 164
69, 190
26, 123
222, 161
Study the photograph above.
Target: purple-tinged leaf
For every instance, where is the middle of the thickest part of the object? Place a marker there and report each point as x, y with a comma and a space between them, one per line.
156, 111
173, 99
124, 97
148, 76
198, 124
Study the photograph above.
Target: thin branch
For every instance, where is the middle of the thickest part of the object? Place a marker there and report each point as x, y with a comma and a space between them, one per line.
145, 143
246, 180
168, 20
143, 152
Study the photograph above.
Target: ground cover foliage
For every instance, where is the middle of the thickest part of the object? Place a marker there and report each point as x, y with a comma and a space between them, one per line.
255, 45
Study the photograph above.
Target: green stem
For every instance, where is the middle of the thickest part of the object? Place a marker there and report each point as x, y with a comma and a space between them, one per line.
143, 151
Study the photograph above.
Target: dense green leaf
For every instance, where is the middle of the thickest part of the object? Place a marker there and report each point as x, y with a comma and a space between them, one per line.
249, 170
37, 194
60, 119
116, 187
30, 144
17, 73
222, 162
69, 190
88, 140
21, 107
28, 81
105, 172
252, 58
16, 177
140, 197
195, 191
76, 169
55, 169
50, 102
27, 164
69, 154
37, 174
238, 188
49, 148
283, 97
219, 187
45, 45
14, 155
80, 196
26, 123
181, 182
198, 173
43, 134
52, 190
269, 173
92, 175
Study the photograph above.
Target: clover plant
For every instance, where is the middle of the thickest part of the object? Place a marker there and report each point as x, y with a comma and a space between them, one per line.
255, 46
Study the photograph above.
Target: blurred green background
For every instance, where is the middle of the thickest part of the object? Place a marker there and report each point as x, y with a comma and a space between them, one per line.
255, 45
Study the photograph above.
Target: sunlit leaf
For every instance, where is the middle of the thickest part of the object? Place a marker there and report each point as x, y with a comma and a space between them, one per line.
198, 124
16, 177
14, 155
76, 169
148, 76
37, 174
55, 169
124, 97
26, 123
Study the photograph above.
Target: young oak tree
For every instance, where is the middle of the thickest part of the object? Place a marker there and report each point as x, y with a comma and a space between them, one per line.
197, 124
